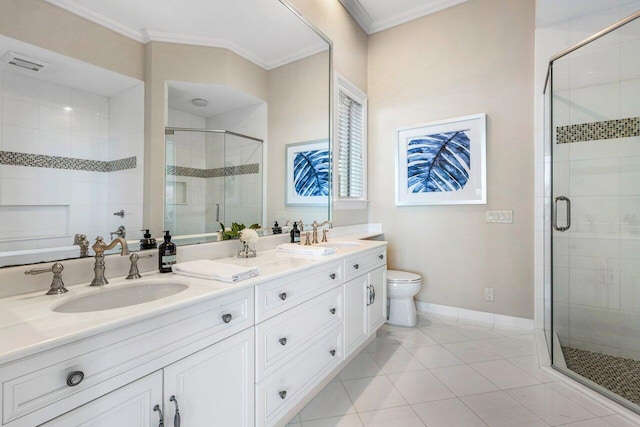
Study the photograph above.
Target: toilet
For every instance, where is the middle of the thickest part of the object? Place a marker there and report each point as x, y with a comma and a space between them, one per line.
402, 286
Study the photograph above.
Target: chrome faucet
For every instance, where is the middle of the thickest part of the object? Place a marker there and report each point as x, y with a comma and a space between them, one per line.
120, 232
299, 222
315, 226
81, 240
99, 247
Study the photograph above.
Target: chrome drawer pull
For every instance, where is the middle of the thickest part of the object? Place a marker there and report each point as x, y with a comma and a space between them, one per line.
226, 318
333, 276
75, 378
157, 409
176, 418
283, 394
333, 352
356, 266
381, 256
283, 296
283, 341
332, 310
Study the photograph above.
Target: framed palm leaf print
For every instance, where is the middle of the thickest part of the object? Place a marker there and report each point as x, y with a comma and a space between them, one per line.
442, 163
308, 173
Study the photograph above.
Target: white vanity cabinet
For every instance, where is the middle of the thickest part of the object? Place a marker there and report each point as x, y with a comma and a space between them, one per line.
212, 387
43, 386
365, 297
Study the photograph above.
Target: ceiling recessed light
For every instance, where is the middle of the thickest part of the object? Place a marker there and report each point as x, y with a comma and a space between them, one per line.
199, 102
68, 109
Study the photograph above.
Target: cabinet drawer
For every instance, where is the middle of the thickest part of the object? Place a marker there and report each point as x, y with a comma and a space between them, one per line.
360, 264
281, 337
36, 389
279, 295
281, 391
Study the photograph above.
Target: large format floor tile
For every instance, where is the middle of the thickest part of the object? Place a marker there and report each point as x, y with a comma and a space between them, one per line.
452, 373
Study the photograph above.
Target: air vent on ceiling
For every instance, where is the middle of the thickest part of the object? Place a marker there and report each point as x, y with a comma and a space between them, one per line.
23, 62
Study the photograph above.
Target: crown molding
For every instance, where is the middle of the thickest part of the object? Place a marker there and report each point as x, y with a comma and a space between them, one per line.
370, 26
301, 54
99, 18
358, 13
432, 6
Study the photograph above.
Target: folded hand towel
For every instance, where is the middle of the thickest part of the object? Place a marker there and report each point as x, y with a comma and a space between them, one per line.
294, 248
215, 270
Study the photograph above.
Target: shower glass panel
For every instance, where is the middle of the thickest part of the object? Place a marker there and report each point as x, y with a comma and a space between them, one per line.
594, 208
212, 177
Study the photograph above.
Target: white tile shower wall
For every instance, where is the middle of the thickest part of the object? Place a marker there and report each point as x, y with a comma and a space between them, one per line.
39, 117
596, 260
126, 139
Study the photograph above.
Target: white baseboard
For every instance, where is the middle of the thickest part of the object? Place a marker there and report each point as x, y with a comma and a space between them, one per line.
478, 316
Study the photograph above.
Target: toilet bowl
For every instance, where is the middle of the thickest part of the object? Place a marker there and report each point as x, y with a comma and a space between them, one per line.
401, 288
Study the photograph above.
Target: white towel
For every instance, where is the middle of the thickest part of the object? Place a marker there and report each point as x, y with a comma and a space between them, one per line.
294, 248
214, 270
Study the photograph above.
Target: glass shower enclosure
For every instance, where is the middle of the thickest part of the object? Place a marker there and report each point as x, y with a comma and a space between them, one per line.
592, 227
212, 177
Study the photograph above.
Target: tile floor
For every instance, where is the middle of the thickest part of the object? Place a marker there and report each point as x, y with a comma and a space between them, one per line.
453, 374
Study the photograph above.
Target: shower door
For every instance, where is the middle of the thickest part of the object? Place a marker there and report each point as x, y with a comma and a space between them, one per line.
594, 206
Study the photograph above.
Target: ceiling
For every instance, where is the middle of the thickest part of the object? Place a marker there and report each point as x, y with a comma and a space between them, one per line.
262, 31
378, 15
220, 98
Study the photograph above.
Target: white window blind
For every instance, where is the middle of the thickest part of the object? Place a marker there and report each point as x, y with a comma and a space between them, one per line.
351, 147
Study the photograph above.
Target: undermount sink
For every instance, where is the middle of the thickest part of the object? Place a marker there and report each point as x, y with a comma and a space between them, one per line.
341, 244
124, 296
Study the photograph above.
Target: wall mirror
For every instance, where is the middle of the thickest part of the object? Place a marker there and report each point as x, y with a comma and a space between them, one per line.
260, 67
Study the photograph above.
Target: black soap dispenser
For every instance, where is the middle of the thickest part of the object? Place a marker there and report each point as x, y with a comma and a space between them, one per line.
295, 234
147, 242
167, 254
276, 228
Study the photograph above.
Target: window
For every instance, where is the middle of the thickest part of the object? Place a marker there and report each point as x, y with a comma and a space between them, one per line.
350, 146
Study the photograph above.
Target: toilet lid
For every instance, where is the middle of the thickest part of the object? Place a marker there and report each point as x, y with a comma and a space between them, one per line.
397, 276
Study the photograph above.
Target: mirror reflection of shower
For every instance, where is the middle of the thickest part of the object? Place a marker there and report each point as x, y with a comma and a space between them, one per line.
214, 158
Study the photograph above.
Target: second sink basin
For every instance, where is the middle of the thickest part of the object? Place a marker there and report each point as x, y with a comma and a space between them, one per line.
340, 244
123, 296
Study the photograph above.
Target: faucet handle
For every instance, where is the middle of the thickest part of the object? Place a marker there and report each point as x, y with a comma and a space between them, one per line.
134, 273
57, 286
324, 235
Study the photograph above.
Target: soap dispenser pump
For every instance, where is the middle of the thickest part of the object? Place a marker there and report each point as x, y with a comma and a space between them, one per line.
295, 234
147, 242
276, 228
167, 255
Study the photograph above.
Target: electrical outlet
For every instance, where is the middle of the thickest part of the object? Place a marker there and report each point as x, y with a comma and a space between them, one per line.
488, 294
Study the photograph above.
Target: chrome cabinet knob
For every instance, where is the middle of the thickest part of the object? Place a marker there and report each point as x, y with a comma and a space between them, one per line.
283, 394
283, 296
283, 341
332, 310
226, 318
333, 276
75, 378
332, 352
157, 409
356, 266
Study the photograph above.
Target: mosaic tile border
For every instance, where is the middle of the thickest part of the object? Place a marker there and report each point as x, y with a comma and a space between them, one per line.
58, 162
608, 129
215, 172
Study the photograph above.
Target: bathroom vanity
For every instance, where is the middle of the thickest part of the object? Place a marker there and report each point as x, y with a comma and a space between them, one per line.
215, 354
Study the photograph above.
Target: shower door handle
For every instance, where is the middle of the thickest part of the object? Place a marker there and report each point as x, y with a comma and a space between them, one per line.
555, 213
218, 213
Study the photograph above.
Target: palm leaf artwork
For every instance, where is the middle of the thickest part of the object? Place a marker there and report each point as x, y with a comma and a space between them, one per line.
439, 162
311, 173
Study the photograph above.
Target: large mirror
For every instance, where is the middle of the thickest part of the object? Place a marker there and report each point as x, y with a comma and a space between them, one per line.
147, 152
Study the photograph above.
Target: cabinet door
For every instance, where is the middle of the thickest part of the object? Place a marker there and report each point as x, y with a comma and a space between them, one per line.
215, 386
356, 299
129, 406
378, 300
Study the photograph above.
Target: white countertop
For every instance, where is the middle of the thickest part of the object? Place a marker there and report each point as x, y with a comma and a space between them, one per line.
29, 325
